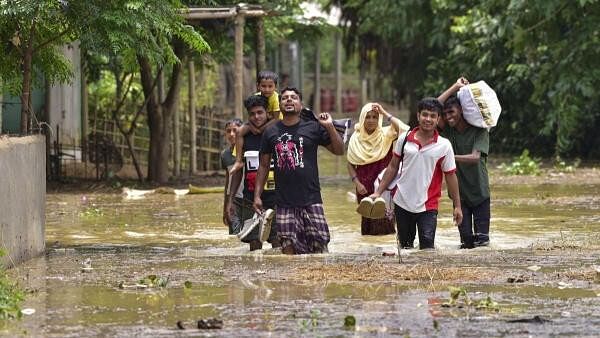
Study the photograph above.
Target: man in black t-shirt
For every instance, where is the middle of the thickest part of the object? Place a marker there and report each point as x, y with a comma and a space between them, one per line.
292, 143
256, 106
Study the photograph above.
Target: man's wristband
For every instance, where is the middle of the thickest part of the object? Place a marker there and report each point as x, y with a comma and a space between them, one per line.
390, 117
352, 178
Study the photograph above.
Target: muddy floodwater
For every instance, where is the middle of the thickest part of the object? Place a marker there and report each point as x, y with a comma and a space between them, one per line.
118, 266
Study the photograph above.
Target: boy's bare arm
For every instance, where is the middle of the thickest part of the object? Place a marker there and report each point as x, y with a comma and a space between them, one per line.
472, 158
452, 185
261, 178
337, 144
236, 180
461, 82
239, 145
269, 123
390, 173
226, 198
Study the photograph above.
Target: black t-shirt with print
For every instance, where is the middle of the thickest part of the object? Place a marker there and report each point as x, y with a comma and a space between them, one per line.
294, 154
252, 143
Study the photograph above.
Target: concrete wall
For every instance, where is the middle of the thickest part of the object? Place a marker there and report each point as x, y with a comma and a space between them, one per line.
22, 197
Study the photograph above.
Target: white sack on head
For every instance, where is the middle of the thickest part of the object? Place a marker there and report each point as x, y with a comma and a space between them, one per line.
480, 105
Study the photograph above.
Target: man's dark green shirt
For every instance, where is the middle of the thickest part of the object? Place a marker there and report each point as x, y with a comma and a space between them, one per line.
473, 181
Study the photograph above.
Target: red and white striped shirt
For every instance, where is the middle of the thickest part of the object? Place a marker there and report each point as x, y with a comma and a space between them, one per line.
420, 184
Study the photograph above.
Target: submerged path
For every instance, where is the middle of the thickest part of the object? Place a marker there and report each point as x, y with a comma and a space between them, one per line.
125, 267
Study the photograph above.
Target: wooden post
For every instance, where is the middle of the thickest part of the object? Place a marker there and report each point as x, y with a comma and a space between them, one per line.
84, 114
317, 82
210, 124
260, 45
300, 67
1, 103
192, 112
177, 143
276, 58
338, 87
338, 73
238, 70
363, 82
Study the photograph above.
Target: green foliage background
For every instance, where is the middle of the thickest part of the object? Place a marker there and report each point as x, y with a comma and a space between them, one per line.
541, 57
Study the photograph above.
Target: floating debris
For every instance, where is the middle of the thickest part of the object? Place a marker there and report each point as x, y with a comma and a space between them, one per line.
87, 265
28, 311
534, 320
204, 190
349, 321
210, 324
135, 193
564, 285
518, 279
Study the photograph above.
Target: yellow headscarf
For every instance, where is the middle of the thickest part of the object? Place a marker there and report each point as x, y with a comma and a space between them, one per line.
365, 148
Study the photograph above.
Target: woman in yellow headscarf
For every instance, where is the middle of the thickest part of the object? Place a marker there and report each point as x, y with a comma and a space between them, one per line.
369, 152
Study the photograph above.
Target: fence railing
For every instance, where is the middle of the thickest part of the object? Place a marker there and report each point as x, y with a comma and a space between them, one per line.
104, 151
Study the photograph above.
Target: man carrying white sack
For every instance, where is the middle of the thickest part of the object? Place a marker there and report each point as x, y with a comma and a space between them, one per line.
471, 145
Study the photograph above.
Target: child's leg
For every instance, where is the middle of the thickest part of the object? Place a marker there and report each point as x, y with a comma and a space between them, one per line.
426, 223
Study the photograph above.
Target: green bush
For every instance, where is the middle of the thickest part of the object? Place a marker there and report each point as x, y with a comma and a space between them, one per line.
522, 165
11, 297
562, 166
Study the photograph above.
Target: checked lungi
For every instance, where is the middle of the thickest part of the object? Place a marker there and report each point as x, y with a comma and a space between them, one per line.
303, 227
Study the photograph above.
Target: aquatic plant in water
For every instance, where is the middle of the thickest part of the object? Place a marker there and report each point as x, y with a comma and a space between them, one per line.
459, 297
311, 323
92, 211
522, 165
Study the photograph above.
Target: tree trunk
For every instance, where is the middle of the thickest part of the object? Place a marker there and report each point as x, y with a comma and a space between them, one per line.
192, 112
317, 93
260, 45
26, 91
160, 134
138, 170
159, 116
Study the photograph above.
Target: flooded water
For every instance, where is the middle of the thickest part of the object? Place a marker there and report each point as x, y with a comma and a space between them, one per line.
182, 239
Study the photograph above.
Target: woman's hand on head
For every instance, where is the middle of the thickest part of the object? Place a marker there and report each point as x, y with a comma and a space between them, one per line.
377, 108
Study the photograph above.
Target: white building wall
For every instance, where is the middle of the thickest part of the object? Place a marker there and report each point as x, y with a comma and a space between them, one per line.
65, 101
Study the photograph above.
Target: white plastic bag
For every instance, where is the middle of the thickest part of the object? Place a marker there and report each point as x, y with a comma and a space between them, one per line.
480, 105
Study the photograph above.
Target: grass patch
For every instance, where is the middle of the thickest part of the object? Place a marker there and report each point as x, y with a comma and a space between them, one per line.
568, 242
11, 297
385, 272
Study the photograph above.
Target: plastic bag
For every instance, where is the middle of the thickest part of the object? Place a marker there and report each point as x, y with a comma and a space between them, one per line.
480, 105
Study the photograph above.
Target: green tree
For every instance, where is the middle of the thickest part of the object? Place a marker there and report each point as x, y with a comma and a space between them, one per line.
540, 56
152, 37
31, 32
150, 33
